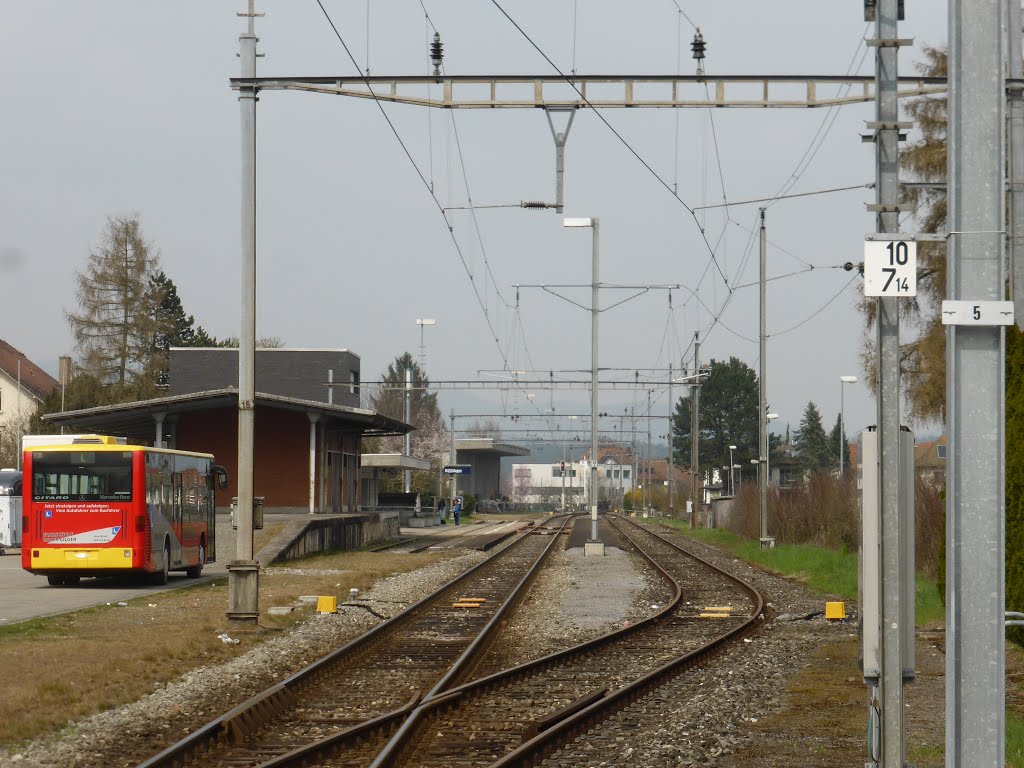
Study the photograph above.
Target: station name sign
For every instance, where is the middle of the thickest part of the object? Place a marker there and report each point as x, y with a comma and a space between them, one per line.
458, 469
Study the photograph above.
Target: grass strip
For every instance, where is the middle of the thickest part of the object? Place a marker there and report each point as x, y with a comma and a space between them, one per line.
829, 571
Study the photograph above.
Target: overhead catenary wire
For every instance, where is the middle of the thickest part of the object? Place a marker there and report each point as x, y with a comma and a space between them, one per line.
776, 198
568, 79
423, 179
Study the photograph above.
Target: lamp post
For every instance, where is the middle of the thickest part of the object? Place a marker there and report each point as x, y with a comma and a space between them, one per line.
421, 322
594, 546
843, 380
764, 477
768, 455
732, 479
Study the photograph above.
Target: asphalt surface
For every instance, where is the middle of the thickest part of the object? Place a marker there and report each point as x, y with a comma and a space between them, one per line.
26, 596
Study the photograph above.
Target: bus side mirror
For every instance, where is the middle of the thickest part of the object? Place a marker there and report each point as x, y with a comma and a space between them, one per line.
222, 476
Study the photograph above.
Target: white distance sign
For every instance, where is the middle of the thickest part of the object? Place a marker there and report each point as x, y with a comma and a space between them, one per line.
890, 268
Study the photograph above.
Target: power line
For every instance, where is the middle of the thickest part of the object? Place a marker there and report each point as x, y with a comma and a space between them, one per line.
775, 198
423, 179
619, 136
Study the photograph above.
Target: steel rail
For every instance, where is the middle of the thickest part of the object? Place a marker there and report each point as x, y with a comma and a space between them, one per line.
533, 752
257, 710
411, 717
395, 750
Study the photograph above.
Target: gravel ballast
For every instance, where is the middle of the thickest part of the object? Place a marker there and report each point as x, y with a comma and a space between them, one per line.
699, 719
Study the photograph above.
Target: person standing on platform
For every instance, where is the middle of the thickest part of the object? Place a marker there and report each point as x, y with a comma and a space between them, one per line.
457, 510
441, 506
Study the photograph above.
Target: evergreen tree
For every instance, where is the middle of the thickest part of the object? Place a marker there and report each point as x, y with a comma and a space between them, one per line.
812, 442
430, 438
728, 416
173, 328
114, 328
835, 440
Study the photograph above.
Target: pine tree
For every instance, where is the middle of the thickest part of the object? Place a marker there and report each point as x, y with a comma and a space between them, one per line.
835, 440
173, 328
812, 442
430, 438
114, 328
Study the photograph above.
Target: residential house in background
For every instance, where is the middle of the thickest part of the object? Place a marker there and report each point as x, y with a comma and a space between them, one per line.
930, 461
23, 386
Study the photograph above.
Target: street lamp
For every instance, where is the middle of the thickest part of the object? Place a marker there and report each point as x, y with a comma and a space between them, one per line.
842, 429
594, 546
768, 454
732, 479
422, 321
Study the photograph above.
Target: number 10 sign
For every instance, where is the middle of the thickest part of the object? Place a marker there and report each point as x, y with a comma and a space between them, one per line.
890, 268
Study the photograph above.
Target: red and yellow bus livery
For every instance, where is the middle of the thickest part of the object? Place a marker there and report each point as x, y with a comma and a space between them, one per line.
102, 508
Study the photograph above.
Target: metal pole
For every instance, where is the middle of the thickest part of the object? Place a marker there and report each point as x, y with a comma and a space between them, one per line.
634, 461
650, 495
1016, 186
243, 572
451, 460
20, 423
842, 391
975, 391
694, 434
732, 477
594, 309
408, 435
563, 477
762, 393
892, 750
671, 460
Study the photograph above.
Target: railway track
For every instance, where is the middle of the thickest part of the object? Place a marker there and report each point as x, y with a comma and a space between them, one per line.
515, 716
360, 687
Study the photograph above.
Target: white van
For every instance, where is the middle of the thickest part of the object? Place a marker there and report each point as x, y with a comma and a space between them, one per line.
10, 508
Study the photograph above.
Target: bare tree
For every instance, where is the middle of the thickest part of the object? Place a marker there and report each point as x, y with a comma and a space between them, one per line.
115, 326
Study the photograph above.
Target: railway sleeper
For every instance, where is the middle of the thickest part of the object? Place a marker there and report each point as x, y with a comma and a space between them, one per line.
546, 722
243, 721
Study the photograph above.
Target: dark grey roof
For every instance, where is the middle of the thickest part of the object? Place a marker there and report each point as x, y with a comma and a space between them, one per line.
137, 418
297, 373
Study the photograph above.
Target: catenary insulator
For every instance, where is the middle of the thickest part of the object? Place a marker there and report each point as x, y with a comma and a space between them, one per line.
437, 54
698, 46
535, 204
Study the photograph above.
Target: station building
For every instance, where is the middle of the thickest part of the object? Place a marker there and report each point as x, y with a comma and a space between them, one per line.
308, 423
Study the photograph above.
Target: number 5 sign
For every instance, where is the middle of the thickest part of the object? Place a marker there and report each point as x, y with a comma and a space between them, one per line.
890, 268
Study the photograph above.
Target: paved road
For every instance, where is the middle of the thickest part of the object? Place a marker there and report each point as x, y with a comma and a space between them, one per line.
25, 596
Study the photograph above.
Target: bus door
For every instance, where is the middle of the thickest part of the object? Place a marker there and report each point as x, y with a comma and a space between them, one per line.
177, 527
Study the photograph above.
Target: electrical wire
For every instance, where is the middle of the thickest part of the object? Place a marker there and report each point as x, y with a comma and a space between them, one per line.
618, 135
829, 119
423, 179
818, 311
776, 198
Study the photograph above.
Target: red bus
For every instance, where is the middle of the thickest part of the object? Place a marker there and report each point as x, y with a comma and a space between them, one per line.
99, 507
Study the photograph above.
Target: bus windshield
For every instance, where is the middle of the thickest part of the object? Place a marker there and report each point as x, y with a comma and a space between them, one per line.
82, 475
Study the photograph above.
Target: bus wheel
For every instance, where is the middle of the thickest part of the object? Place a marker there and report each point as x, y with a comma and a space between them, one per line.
160, 577
55, 581
72, 581
195, 571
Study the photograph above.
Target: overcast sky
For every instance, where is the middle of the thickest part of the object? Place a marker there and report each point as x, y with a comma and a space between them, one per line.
120, 106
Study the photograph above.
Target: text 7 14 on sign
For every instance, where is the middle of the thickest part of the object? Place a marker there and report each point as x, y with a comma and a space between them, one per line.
890, 268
